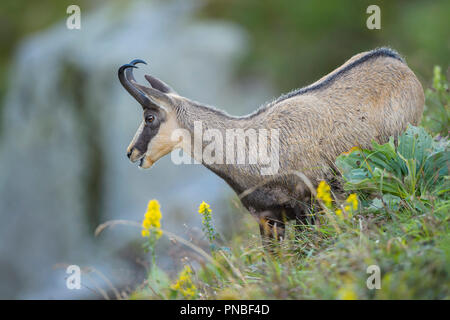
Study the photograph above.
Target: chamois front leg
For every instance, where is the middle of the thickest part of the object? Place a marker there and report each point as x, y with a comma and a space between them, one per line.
270, 227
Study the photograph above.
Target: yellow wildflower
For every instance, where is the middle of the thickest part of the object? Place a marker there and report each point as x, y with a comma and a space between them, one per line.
153, 213
207, 224
184, 284
339, 213
347, 293
153, 205
323, 193
204, 208
353, 200
152, 219
146, 224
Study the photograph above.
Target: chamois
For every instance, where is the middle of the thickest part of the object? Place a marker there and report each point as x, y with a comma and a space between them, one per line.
371, 97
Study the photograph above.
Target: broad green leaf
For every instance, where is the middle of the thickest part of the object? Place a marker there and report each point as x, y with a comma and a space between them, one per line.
416, 169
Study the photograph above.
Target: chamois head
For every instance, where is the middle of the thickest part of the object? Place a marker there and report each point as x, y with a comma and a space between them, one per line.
153, 137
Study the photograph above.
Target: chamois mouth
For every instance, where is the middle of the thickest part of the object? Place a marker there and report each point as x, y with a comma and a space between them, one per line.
139, 159
141, 162
145, 162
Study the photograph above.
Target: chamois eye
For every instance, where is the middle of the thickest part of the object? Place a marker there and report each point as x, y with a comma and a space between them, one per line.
149, 119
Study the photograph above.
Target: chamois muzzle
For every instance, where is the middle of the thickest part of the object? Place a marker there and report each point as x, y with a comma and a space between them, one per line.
127, 80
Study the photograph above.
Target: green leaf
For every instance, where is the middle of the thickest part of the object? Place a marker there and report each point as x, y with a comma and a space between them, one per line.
414, 170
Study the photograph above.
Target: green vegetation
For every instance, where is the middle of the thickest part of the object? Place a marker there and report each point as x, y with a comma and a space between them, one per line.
415, 173
437, 107
296, 42
397, 218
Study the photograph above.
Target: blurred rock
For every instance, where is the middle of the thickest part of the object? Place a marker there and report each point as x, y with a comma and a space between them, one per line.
67, 124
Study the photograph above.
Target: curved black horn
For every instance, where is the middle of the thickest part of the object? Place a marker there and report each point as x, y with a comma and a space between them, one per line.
129, 71
126, 71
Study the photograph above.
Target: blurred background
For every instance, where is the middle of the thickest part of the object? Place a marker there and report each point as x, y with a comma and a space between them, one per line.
65, 121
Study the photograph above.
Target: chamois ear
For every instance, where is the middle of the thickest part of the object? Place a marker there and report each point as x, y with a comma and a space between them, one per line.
159, 85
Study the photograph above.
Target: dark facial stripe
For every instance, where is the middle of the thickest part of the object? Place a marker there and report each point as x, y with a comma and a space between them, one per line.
145, 137
150, 130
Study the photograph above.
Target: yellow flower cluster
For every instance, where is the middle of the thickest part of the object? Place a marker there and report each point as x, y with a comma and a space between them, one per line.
347, 293
184, 283
204, 208
353, 201
207, 225
323, 193
347, 288
151, 222
351, 205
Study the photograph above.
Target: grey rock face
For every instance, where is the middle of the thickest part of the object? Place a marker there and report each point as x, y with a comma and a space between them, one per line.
67, 123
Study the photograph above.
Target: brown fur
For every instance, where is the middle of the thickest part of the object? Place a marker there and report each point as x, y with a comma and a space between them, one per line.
373, 96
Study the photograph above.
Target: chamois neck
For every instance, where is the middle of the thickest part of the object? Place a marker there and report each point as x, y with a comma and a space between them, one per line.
190, 117
211, 132
210, 117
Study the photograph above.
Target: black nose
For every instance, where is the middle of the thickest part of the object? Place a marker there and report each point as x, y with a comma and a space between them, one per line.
129, 154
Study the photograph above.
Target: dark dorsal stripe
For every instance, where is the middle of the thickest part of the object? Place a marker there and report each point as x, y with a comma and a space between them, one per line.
379, 52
